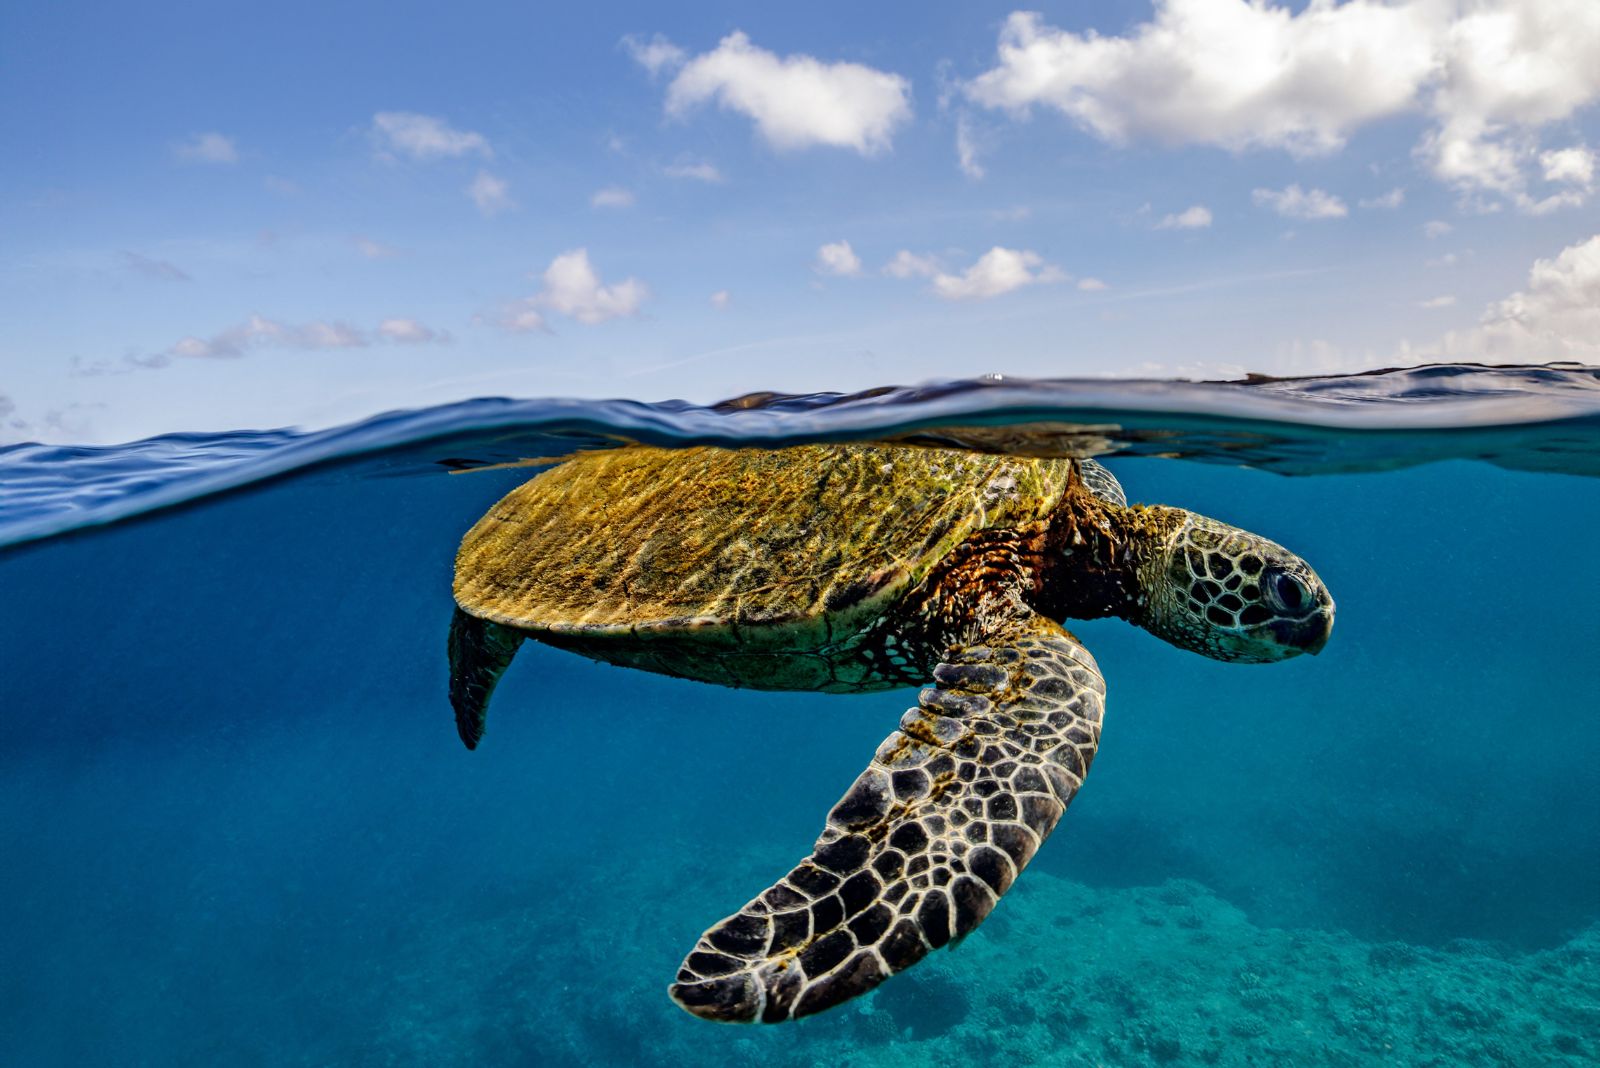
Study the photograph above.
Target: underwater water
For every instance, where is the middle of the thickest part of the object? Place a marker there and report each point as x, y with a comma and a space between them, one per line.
237, 826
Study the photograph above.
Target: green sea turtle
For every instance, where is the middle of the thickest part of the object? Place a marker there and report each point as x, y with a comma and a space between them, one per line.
848, 568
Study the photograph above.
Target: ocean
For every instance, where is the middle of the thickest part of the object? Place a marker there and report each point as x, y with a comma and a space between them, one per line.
237, 826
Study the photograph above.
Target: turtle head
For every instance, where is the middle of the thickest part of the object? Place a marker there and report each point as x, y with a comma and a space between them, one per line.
1229, 594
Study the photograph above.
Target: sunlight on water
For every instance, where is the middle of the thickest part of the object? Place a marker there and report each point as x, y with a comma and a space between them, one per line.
239, 827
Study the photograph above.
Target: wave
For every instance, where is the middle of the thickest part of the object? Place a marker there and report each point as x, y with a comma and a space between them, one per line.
1537, 418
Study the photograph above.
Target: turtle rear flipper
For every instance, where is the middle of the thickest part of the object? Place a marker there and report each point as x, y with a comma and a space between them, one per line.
920, 848
479, 654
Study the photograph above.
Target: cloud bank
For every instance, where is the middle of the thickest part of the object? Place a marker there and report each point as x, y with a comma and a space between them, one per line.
1488, 74
1556, 316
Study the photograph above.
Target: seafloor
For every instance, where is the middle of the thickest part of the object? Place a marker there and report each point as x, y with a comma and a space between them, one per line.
1061, 975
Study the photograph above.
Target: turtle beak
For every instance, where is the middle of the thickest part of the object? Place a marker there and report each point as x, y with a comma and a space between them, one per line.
1323, 619
1306, 635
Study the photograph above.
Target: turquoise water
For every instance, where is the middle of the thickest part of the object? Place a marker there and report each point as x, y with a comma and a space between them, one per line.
238, 827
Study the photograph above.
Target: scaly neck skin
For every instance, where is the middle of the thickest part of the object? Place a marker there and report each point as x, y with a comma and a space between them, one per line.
1095, 554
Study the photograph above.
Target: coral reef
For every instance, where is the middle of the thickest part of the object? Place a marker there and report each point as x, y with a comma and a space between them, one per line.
1065, 975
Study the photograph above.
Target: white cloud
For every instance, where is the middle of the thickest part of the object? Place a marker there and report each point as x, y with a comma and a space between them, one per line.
151, 268
571, 287
491, 194
373, 249
1434, 228
1567, 198
1388, 201
410, 332
1249, 74
612, 196
1092, 285
838, 259
1000, 270
697, 170
1512, 67
283, 187
721, 299
207, 148
1223, 72
1196, 217
907, 264
655, 55
424, 137
796, 101
1449, 259
1292, 202
1556, 317
1574, 166
1446, 301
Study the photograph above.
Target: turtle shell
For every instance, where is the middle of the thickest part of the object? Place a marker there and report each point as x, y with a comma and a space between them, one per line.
745, 547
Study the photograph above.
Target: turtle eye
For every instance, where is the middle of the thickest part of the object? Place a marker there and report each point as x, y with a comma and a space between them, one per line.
1285, 591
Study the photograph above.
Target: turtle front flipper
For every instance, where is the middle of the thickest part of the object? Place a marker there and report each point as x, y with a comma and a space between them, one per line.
480, 651
919, 850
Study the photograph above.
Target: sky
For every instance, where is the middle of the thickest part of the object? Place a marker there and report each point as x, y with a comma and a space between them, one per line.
220, 216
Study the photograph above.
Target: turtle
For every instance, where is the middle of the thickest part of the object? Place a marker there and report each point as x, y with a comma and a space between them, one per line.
854, 567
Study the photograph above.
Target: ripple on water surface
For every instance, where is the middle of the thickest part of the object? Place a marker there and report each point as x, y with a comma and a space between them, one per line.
1542, 418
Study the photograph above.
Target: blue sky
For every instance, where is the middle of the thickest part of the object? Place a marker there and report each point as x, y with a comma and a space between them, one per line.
216, 216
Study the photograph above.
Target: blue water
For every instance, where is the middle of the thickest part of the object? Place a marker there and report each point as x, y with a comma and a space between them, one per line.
237, 827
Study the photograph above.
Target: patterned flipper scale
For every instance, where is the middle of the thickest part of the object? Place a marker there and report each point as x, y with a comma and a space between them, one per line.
920, 848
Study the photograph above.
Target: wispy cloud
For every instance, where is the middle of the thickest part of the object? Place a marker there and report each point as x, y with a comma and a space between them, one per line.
695, 170
1387, 201
1292, 202
411, 332
655, 55
258, 332
1435, 228
207, 148
374, 249
721, 299
152, 268
1446, 301
908, 264
796, 101
424, 137
612, 196
491, 194
967, 149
